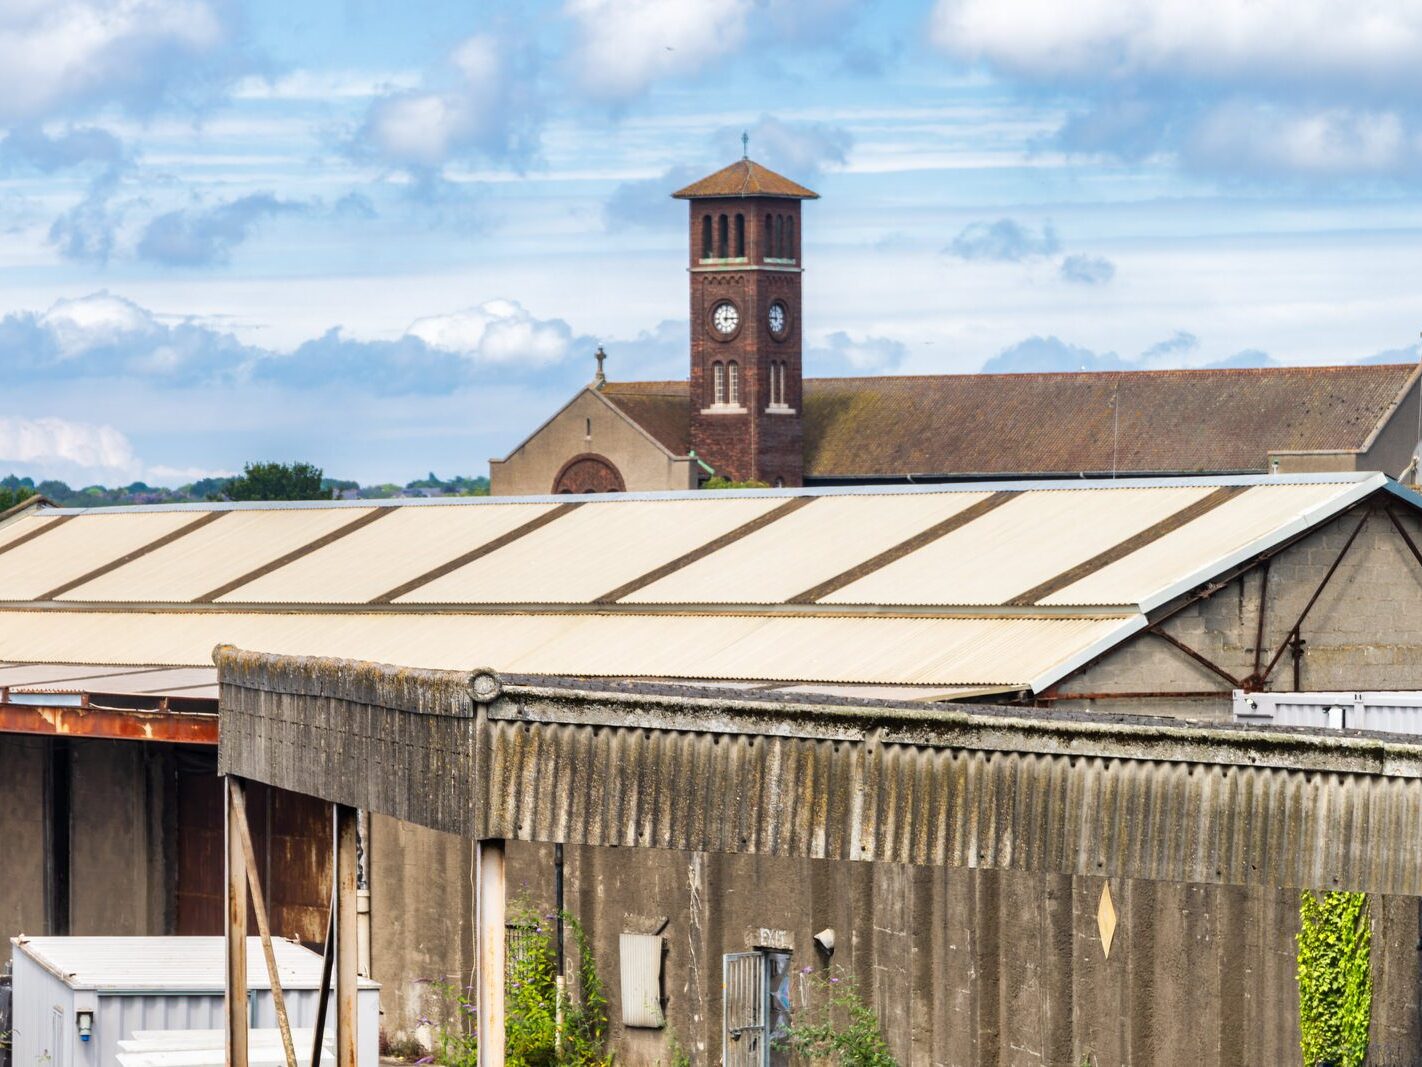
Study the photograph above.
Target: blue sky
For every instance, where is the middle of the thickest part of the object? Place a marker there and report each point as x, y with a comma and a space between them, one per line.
387, 238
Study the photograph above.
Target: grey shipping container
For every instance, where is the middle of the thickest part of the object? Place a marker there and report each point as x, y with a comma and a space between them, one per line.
154, 983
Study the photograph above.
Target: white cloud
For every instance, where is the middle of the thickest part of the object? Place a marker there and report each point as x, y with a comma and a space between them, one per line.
1373, 43
58, 448
58, 52
99, 320
623, 46
496, 332
323, 85
489, 108
1323, 141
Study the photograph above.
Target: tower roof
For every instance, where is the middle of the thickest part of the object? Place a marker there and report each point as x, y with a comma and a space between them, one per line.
745, 177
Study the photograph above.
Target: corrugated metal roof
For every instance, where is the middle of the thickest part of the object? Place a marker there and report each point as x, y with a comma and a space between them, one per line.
384, 555
901, 651
235, 544
1017, 546
804, 549
24, 525
80, 545
1211, 543
591, 551
179, 964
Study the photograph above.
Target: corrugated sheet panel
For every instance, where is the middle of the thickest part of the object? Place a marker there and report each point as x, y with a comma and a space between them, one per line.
1017, 546
901, 651
803, 549
591, 551
199, 562
1205, 544
384, 555
1098, 797
91, 678
80, 546
23, 526
640, 966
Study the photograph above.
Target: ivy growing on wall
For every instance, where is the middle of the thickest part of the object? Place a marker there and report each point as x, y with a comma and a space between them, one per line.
1335, 979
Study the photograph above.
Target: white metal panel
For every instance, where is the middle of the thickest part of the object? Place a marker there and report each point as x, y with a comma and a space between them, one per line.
1394, 712
79, 546
1205, 546
895, 651
1017, 546
234, 544
640, 963
386, 554
805, 548
592, 550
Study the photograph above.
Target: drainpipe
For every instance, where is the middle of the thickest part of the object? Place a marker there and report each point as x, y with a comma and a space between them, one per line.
363, 894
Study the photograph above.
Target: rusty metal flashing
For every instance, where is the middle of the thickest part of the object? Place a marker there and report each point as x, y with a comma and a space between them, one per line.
1189, 513
955, 786
120, 724
129, 557
702, 551
295, 554
904, 548
483, 550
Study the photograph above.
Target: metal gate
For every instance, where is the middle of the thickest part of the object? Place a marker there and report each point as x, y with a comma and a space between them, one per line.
755, 1006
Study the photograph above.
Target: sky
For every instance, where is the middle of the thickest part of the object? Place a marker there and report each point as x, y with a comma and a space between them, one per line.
387, 239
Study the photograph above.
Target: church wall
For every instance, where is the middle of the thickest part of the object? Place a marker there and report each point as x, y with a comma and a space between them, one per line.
589, 425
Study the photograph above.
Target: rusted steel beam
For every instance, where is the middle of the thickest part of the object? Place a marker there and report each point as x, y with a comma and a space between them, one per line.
490, 908
328, 958
117, 725
1187, 694
1406, 537
347, 936
1202, 660
1292, 639
235, 1001
1254, 680
236, 790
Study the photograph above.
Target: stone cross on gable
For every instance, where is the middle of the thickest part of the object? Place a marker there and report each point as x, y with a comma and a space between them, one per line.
600, 356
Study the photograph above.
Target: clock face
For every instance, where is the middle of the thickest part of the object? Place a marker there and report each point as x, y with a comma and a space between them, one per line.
777, 318
725, 318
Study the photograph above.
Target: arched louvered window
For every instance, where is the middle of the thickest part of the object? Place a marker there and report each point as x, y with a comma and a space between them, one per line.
767, 246
723, 244
740, 236
790, 237
707, 247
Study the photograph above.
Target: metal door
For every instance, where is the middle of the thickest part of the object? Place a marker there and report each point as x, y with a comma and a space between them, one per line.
743, 1006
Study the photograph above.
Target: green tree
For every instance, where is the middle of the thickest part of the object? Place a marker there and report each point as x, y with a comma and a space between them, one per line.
718, 482
277, 481
9, 497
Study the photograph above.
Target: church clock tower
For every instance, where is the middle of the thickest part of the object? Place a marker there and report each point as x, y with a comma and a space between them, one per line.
746, 395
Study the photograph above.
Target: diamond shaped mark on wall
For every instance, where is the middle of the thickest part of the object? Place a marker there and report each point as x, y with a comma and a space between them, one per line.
1106, 919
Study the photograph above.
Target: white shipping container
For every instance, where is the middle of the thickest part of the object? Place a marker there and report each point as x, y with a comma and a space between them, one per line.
1393, 712
128, 984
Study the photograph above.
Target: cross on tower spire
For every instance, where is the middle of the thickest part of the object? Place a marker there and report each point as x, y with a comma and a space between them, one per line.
599, 355
745, 145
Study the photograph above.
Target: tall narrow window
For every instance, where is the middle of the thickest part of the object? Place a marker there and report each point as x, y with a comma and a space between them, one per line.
706, 245
790, 237
725, 238
767, 249
740, 236
718, 383
777, 392
733, 374
779, 242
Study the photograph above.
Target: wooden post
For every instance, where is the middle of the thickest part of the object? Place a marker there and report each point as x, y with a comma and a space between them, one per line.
328, 957
490, 908
235, 1004
236, 790
347, 936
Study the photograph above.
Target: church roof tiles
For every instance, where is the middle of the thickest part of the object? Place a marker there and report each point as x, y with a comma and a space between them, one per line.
745, 177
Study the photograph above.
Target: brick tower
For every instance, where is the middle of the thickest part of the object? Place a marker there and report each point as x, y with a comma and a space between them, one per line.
745, 323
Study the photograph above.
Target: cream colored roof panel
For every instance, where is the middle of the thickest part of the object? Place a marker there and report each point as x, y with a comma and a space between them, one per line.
81, 545
23, 526
386, 554
804, 548
917, 651
590, 551
233, 544
1034, 537
1209, 543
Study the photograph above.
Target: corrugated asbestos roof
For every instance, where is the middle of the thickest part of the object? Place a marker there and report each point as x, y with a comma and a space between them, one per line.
745, 177
1174, 421
973, 585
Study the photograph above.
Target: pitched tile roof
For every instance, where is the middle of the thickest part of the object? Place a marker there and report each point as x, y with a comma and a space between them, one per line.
745, 177
1169, 421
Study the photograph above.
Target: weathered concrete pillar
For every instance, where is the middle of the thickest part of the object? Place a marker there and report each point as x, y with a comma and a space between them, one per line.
347, 936
490, 906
